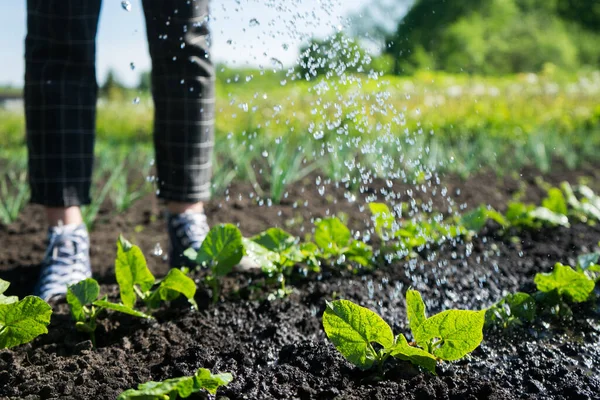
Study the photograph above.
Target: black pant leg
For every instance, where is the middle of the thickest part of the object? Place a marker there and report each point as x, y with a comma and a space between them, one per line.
183, 92
60, 99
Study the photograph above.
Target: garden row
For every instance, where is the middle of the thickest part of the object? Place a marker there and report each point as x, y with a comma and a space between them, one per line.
281, 254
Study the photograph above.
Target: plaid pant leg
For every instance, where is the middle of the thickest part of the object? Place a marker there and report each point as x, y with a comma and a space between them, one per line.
60, 99
183, 91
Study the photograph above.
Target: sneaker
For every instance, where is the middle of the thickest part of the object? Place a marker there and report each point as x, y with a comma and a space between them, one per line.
185, 230
67, 261
189, 230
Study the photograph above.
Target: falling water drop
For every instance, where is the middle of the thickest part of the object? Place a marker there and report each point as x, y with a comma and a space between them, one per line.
136, 100
157, 251
126, 5
132, 65
254, 22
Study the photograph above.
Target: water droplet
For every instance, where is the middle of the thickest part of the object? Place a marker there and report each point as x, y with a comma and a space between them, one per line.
265, 154
126, 5
157, 251
254, 22
136, 100
276, 63
285, 46
132, 66
319, 135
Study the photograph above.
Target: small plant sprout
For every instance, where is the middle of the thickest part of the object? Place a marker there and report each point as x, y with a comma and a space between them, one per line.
220, 251
513, 310
86, 306
276, 251
135, 279
21, 321
568, 283
449, 335
183, 387
334, 239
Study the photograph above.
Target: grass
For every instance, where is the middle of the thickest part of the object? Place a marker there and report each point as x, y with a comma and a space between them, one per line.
353, 129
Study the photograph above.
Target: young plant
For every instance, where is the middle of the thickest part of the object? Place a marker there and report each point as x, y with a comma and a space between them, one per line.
86, 306
11, 202
21, 321
568, 283
335, 241
449, 335
277, 252
514, 309
403, 238
135, 280
220, 251
183, 387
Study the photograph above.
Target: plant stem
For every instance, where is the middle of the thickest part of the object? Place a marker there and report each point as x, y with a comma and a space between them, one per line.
216, 290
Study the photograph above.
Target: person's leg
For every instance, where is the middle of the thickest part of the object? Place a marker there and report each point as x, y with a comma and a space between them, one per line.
60, 109
183, 92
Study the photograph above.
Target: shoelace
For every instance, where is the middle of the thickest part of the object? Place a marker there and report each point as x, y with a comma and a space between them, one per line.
65, 262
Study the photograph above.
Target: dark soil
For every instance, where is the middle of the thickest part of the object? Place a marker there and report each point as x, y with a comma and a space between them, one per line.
277, 349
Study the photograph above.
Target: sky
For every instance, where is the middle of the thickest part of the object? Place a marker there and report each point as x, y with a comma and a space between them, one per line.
244, 32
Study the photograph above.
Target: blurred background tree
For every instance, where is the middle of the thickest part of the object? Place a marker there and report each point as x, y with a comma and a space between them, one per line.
495, 36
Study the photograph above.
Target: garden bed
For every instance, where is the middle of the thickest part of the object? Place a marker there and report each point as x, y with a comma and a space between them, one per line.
277, 349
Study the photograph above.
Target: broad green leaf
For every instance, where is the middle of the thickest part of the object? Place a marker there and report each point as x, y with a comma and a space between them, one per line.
518, 214
331, 235
555, 201
360, 252
475, 219
310, 253
183, 387
81, 294
222, 249
275, 239
263, 257
131, 269
420, 357
521, 305
175, 283
383, 218
120, 308
6, 299
585, 261
204, 379
458, 333
550, 217
22, 321
566, 281
415, 309
353, 328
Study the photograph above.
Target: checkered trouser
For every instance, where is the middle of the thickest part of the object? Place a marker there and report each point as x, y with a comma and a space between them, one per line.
61, 90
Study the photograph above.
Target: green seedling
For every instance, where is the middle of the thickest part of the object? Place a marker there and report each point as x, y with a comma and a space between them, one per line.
476, 219
14, 195
513, 310
220, 251
335, 241
86, 306
403, 238
568, 283
136, 281
277, 252
521, 215
183, 387
449, 335
21, 321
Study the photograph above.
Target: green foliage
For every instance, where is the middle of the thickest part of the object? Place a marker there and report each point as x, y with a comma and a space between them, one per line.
513, 309
449, 335
496, 36
14, 194
574, 285
183, 387
220, 251
334, 240
135, 279
21, 321
86, 306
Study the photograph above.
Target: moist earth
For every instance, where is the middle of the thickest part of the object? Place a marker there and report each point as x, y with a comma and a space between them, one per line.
277, 349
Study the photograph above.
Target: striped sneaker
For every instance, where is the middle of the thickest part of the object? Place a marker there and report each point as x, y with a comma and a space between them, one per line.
186, 230
67, 261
